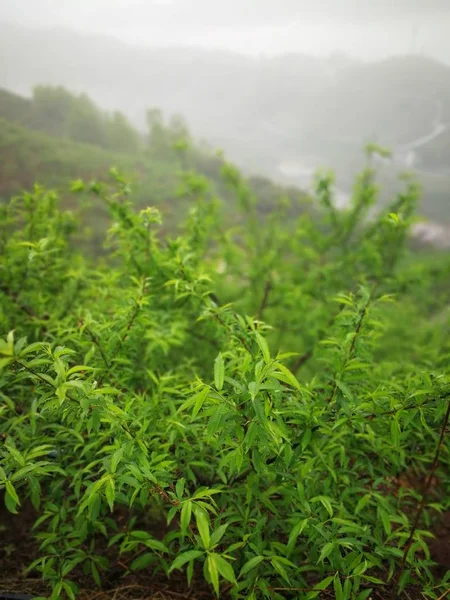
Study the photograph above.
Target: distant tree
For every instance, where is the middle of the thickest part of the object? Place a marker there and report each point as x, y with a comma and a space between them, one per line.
63, 114
158, 138
85, 122
121, 135
50, 109
178, 129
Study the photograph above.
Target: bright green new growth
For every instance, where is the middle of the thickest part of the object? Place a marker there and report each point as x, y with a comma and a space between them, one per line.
150, 383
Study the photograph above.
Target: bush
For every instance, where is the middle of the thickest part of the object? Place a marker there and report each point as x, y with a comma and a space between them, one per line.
151, 384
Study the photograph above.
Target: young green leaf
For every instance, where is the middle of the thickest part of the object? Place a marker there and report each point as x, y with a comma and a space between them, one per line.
224, 567
186, 512
143, 561
219, 372
213, 572
185, 557
203, 527
264, 347
251, 564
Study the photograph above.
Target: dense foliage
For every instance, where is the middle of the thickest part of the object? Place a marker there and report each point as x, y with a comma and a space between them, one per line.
263, 388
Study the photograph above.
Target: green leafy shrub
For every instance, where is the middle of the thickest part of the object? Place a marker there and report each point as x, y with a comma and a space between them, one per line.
260, 387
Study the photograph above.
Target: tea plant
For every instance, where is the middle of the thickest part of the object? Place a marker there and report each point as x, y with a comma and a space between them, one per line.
261, 386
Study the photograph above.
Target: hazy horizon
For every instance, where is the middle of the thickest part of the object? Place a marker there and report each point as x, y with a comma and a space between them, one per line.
358, 28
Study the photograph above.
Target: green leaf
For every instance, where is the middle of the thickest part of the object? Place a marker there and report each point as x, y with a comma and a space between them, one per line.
186, 512
16, 455
260, 413
225, 569
219, 372
110, 493
116, 458
385, 520
203, 527
4, 362
33, 347
395, 433
196, 401
58, 586
338, 591
344, 389
77, 186
179, 488
213, 573
10, 504
155, 545
323, 585
108, 391
362, 503
360, 569
11, 498
264, 347
218, 534
279, 567
206, 493
68, 587
190, 572
251, 564
253, 389
143, 561
71, 564
295, 532
10, 341
79, 369
95, 574
185, 557
326, 551
283, 374
140, 535
216, 420
325, 501
348, 586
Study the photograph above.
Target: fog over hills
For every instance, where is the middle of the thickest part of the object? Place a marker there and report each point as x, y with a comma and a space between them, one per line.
363, 28
283, 115
287, 103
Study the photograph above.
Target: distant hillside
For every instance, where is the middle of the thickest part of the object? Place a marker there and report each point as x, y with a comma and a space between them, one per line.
226, 98
56, 111
39, 144
264, 112
28, 156
261, 110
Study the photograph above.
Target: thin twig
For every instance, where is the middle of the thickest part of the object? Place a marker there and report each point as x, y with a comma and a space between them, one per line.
96, 341
204, 338
410, 406
296, 589
444, 595
126, 333
304, 358
355, 337
233, 333
265, 298
301, 360
35, 374
99, 595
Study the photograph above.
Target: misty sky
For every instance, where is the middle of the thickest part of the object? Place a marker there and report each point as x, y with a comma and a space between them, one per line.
365, 28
